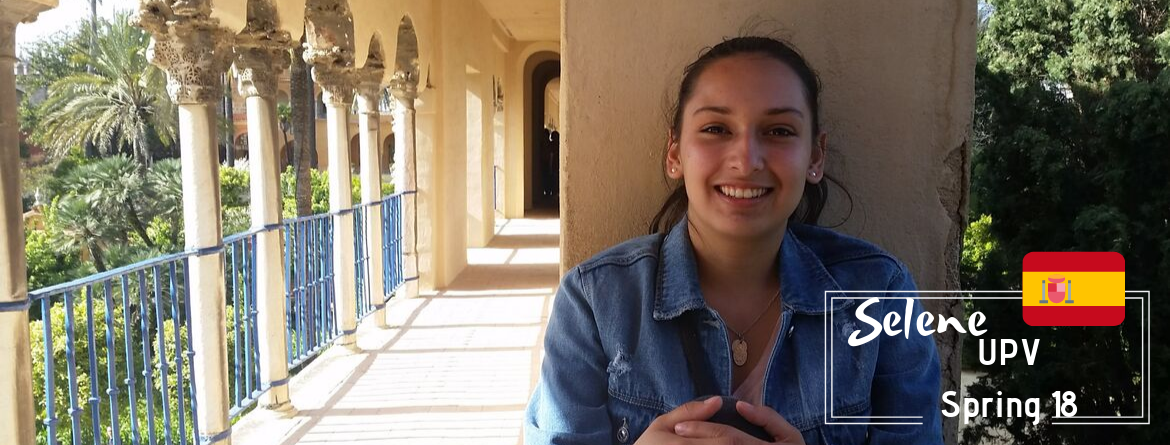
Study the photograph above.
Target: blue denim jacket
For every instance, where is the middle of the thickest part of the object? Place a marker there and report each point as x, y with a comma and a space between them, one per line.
614, 360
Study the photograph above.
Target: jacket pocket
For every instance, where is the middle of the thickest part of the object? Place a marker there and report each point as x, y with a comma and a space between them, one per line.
630, 416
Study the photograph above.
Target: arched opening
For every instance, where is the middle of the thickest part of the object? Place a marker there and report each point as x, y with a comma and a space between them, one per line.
386, 156
544, 149
355, 153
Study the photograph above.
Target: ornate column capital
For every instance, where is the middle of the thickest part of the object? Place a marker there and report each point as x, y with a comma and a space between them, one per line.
369, 89
338, 83
261, 52
189, 45
258, 69
404, 91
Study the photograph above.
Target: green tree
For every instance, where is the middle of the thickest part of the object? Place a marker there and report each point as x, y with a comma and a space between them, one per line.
51, 58
112, 206
122, 105
1072, 123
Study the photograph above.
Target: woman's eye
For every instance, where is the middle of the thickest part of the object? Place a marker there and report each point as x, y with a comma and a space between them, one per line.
714, 129
781, 131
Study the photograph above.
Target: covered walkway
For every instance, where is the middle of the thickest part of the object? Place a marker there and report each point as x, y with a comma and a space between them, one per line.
454, 367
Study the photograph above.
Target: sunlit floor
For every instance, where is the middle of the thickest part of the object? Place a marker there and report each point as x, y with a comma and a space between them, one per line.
456, 367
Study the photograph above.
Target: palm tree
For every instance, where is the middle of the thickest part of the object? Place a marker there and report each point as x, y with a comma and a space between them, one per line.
105, 204
303, 122
121, 105
164, 180
79, 229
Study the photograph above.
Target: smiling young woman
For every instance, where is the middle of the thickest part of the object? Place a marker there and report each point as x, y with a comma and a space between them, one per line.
728, 296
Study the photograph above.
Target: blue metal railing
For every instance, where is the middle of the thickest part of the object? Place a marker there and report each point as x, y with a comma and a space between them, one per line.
243, 334
116, 344
115, 350
391, 246
310, 314
362, 259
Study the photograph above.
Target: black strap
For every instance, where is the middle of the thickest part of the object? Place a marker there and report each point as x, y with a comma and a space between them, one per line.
687, 322
700, 377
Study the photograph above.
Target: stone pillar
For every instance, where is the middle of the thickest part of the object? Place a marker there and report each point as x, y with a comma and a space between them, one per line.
406, 180
338, 96
258, 68
368, 95
17, 416
194, 52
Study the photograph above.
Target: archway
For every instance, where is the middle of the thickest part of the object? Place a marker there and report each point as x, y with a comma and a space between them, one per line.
544, 148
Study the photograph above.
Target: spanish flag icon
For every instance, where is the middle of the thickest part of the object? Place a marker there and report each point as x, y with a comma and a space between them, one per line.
1074, 288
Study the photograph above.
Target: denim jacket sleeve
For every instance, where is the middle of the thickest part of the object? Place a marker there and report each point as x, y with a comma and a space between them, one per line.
569, 405
906, 380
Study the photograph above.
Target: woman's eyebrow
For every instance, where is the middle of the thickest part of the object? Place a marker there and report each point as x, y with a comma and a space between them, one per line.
769, 112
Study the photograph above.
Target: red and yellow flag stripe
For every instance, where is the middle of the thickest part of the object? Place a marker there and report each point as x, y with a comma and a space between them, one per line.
1093, 283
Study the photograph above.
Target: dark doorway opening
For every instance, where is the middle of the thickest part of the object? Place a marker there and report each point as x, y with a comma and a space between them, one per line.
545, 172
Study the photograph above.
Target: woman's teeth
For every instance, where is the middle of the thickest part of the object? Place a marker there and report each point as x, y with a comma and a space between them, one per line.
742, 193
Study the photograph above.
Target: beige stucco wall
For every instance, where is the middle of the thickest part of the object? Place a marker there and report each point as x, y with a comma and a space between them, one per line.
898, 90
466, 57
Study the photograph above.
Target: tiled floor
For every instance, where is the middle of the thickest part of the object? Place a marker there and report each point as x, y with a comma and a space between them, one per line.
456, 367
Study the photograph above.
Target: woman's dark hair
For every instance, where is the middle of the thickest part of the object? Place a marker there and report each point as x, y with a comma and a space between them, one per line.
815, 196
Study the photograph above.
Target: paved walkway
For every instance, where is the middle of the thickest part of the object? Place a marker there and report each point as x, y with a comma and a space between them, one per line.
456, 367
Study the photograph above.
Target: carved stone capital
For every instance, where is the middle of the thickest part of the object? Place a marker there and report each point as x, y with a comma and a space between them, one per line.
188, 45
328, 33
258, 70
338, 83
369, 89
404, 88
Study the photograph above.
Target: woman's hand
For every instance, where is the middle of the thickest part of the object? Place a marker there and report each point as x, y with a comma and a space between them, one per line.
661, 430
687, 424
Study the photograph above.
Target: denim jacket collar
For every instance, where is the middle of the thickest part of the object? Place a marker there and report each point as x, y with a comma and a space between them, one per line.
803, 277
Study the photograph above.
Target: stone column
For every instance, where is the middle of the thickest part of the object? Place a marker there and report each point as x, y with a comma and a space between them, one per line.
338, 84
368, 95
17, 416
258, 67
406, 180
194, 52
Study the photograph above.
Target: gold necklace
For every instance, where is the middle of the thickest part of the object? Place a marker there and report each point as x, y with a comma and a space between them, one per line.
739, 346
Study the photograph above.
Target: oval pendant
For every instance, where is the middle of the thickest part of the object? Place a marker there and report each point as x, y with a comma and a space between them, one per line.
739, 352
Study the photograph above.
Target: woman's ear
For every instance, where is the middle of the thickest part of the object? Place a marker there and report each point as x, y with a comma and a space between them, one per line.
673, 158
816, 164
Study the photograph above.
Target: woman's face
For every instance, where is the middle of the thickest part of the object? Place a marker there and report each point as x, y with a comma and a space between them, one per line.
745, 148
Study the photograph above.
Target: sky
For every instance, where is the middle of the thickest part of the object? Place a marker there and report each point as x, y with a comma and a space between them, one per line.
69, 13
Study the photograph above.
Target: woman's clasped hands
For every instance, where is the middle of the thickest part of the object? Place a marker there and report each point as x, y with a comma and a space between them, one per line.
688, 424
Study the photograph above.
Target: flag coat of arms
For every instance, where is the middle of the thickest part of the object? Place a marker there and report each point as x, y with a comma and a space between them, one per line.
1074, 289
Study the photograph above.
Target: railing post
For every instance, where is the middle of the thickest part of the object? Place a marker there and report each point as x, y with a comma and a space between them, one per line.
17, 417
406, 180
338, 96
194, 52
257, 67
368, 95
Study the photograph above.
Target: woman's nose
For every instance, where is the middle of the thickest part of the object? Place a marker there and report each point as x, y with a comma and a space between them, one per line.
746, 155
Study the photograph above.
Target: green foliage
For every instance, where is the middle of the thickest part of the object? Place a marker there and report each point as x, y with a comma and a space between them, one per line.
1087, 43
46, 264
122, 106
234, 187
52, 58
1072, 119
320, 186
142, 346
